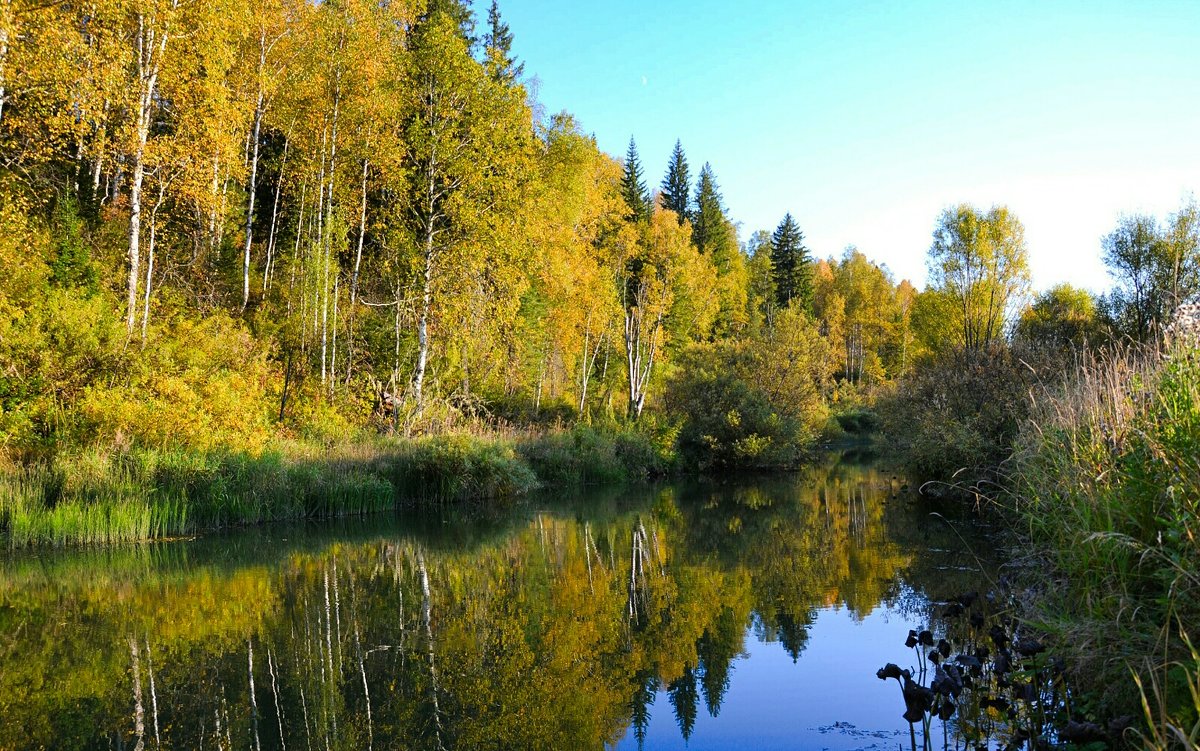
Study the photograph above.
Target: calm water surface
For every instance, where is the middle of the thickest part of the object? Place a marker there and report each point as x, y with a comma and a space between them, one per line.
743, 615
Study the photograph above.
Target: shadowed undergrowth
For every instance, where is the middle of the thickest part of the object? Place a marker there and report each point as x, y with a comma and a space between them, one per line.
92, 497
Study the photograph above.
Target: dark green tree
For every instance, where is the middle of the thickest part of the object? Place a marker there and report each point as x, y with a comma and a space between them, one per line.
791, 265
497, 45
72, 264
645, 685
676, 186
460, 13
708, 219
717, 648
633, 187
685, 700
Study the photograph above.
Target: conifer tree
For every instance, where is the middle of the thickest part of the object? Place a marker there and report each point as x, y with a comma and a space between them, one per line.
708, 219
633, 187
715, 236
497, 42
676, 186
460, 14
791, 265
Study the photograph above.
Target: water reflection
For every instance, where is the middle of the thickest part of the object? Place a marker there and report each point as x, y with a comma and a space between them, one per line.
607, 622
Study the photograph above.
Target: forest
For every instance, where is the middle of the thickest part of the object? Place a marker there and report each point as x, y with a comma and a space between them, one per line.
294, 259
296, 228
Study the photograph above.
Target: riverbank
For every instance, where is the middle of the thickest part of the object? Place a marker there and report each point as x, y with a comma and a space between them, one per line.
1106, 481
105, 497
1096, 469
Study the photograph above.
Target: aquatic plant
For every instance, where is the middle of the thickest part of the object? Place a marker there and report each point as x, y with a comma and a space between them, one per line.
989, 681
106, 497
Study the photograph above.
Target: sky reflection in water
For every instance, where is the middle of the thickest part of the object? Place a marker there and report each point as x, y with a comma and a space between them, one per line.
743, 615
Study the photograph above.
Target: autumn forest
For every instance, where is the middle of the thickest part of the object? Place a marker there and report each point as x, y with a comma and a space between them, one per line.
296, 260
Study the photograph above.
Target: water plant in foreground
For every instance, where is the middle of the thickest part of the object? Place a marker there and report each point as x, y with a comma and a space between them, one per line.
991, 684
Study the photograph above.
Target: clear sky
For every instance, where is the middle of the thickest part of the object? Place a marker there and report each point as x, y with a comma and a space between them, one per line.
866, 119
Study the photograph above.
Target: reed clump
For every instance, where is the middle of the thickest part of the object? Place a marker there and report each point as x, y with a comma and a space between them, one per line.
1107, 479
104, 497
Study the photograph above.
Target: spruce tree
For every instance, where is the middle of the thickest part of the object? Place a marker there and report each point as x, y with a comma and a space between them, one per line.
459, 11
708, 219
791, 265
633, 187
676, 186
72, 265
501, 64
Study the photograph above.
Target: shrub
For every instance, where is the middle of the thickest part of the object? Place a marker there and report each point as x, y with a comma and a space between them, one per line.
728, 424
199, 384
586, 455
957, 414
858, 421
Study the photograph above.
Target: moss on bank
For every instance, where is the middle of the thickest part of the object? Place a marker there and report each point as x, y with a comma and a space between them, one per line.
93, 497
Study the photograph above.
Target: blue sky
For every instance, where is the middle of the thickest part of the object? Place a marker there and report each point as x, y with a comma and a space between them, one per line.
866, 119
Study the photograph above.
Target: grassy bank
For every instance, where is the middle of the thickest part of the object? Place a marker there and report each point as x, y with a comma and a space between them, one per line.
1094, 462
1106, 478
95, 497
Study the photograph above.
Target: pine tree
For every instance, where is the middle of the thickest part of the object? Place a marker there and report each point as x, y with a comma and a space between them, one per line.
676, 186
791, 265
633, 187
501, 65
708, 219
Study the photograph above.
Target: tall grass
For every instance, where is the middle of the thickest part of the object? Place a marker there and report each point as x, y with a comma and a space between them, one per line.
1107, 478
94, 497
587, 456
1168, 731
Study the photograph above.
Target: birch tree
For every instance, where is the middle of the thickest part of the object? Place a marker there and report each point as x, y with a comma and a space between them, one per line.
469, 143
270, 25
980, 261
154, 20
663, 281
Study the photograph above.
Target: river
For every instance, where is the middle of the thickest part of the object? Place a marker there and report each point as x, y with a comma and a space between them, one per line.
751, 613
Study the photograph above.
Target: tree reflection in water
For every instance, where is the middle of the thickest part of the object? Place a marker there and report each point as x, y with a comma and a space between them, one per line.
546, 629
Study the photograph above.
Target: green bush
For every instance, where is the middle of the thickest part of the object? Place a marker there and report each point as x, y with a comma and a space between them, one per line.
728, 424
958, 414
585, 455
459, 467
858, 421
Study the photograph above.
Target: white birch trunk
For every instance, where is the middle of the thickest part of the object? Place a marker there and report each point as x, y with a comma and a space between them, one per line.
149, 274
337, 278
139, 711
362, 231
150, 49
253, 697
278, 706
427, 618
254, 136
270, 264
362, 670
7, 23
153, 696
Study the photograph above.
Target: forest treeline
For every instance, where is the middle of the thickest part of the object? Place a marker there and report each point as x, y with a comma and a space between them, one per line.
222, 223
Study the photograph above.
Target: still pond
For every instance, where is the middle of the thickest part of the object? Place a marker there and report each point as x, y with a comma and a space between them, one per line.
747, 614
